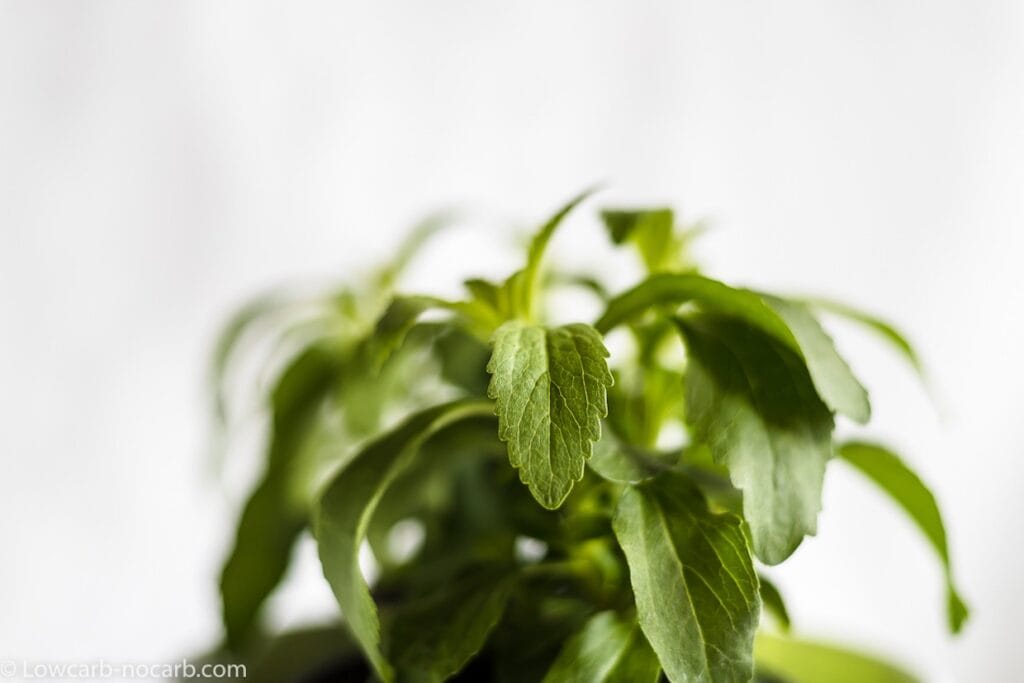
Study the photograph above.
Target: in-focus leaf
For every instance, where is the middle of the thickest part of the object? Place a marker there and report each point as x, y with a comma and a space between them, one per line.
609, 649
551, 386
892, 475
752, 402
432, 637
833, 379
693, 579
348, 503
800, 661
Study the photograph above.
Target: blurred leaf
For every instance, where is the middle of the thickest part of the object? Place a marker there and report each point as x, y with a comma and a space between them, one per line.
799, 661
773, 603
693, 579
230, 338
651, 231
583, 281
625, 464
428, 486
393, 326
521, 287
550, 385
413, 244
643, 400
276, 513
463, 360
302, 654
884, 329
751, 400
348, 503
609, 649
433, 636
889, 472
537, 623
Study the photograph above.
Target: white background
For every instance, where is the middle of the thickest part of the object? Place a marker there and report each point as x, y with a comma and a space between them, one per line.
161, 161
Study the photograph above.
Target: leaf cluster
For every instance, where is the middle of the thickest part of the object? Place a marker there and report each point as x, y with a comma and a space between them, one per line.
537, 507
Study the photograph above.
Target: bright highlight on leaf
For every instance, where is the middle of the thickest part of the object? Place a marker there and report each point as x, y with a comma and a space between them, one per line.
551, 387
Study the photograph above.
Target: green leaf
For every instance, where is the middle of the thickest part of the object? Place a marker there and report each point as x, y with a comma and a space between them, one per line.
551, 386
889, 472
230, 338
426, 489
799, 661
537, 624
297, 655
835, 383
788, 323
693, 579
885, 330
347, 505
752, 402
609, 649
624, 225
463, 360
432, 637
650, 230
394, 324
626, 464
773, 603
276, 512
673, 290
643, 400
521, 287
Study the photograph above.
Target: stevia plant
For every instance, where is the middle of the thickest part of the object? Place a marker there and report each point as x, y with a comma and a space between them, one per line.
531, 509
